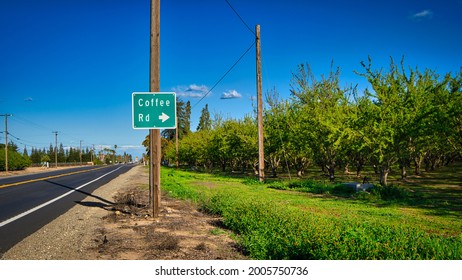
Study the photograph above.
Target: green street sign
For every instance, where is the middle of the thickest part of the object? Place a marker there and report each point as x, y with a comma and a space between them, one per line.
154, 110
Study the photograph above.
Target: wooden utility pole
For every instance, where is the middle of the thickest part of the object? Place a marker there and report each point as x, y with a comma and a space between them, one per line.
6, 141
56, 148
80, 154
261, 149
154, 86
177, 162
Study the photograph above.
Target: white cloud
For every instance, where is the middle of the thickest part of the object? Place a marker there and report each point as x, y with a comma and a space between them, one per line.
230, 94
425, 14
193, 91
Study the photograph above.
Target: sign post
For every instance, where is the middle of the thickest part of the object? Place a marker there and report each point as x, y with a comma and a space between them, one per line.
154, 110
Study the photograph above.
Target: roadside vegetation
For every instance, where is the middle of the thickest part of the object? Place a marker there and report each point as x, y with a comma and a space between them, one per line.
16, 160
311, 220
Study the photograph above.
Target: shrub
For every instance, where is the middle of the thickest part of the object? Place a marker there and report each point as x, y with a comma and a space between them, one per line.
303, 186
391, 192
342, 190
15, 160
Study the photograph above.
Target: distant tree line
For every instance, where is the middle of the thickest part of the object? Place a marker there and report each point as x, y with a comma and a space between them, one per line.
71, 155
405, 119
19, 161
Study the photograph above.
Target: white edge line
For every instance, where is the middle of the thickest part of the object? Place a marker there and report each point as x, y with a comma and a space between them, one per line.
17, 217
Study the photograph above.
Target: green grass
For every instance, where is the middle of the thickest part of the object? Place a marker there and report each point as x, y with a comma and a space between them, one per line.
309, 220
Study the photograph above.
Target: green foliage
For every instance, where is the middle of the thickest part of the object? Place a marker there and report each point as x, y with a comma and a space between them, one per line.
405, 117
343, 190
324, 114
391, 192
183, 111
205, 122
71, 155
377, 193
16, 161
272, 232
284, 225
310, 186
45, 158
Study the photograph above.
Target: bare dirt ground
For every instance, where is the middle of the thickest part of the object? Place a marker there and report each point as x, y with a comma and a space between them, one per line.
114, 224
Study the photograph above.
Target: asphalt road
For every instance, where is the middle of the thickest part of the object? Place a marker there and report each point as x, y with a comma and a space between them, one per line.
29, 202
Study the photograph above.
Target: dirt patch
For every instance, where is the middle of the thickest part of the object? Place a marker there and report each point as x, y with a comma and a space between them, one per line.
121, 228
180, 231
210, 185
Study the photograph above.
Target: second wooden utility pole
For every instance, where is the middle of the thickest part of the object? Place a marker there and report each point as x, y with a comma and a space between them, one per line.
154, 86
56, 148
261, 149
6, 141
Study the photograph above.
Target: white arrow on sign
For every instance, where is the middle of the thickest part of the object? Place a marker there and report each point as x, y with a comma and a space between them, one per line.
164, 117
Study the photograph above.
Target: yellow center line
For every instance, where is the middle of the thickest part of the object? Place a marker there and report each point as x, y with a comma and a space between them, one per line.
49, 177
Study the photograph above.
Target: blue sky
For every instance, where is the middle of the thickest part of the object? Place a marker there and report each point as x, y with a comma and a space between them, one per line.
71, 65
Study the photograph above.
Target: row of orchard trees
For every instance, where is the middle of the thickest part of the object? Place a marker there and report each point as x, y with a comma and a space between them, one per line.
406, 118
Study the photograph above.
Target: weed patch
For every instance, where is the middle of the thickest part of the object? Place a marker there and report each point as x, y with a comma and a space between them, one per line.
292, 225
269, 232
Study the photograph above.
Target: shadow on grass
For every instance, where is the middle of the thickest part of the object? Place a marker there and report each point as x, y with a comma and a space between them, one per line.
444, 201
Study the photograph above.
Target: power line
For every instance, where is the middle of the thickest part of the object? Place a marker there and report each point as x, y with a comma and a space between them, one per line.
6, 140
26, 121
227, 72
237, 14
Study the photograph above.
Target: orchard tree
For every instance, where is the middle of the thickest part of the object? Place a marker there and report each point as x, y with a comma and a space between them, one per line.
276, 130
382, 117
455, 114
324, 114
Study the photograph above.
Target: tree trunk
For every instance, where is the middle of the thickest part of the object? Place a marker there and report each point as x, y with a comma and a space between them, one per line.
274, 173
359, 168
331, 170
418, 165
274, 161
403, 171
384, 175
255, 168
347, 170
376, 169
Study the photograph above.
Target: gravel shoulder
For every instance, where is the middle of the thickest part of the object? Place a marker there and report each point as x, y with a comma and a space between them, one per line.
93, 229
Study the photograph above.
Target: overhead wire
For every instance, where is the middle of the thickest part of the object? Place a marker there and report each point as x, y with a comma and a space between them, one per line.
237, 61
33, 143
239, 16
222, 77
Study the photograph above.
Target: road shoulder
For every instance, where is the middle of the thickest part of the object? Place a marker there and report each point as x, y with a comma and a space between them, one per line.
93, 230
69, 235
